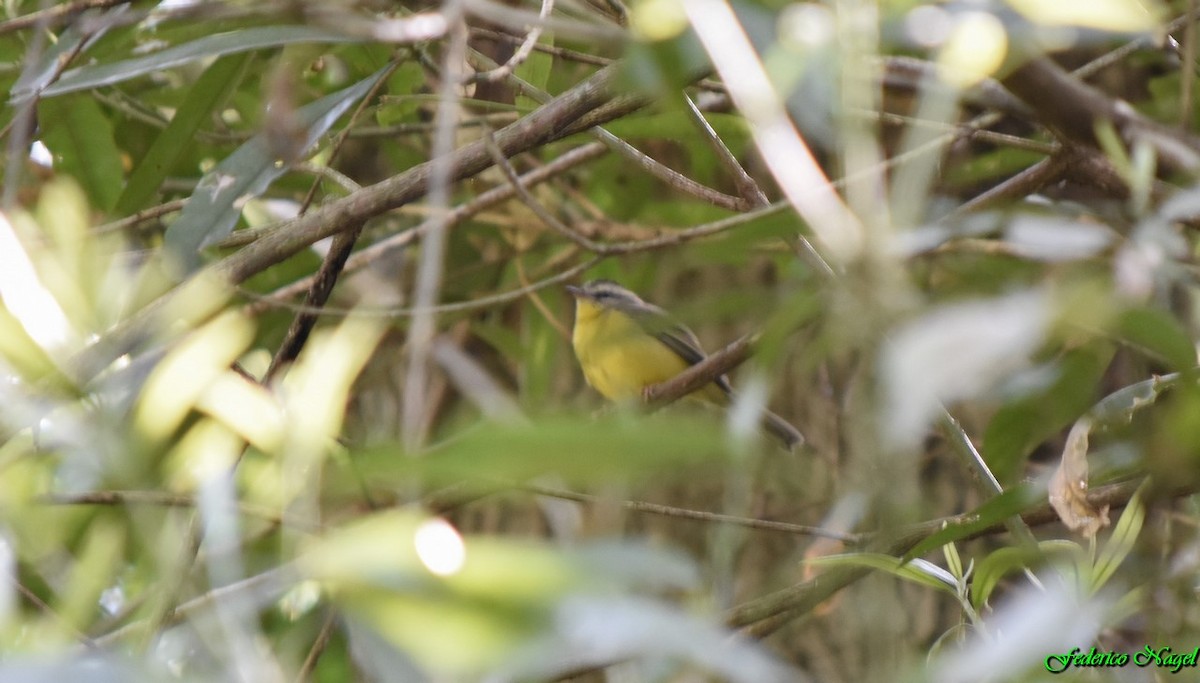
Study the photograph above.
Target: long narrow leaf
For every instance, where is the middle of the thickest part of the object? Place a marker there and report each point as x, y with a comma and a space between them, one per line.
917, 571
996, 510
209, 91
1121, 542
1004, 561
219, 45
80, 136
213, 209
73, 39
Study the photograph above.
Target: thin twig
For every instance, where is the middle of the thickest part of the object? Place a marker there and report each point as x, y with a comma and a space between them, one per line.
697, 515
1187, 75
1027, 181
668, 175
613, 249
165, 611
429, 273
785, 153
147, 214
266, 586
536, 299
461, 213
960, 131
440, 309
56, 15
518, 20
43, 607
762, 616
534, 205
748, 189
318, 647
318, 294
648, 164
522, 52
335, 259
165, 499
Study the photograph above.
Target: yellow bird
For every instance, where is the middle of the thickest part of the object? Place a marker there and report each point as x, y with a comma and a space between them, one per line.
625, 345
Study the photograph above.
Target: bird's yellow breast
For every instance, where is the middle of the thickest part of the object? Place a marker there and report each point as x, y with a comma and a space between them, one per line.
618, 357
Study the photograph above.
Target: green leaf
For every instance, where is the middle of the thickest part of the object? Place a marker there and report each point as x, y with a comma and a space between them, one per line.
1121, 542
1004, 561
213, 209
220, 45
916, 571
535, 70
1022, 424
613, 447
402, 85
80, 136
989, 166
996, 510
206, 95
1160, 334
36, 76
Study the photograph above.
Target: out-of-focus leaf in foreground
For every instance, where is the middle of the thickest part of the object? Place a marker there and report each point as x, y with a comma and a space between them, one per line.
507, 605
95, 669
612, 447
1024, 631
80, 136
956, 352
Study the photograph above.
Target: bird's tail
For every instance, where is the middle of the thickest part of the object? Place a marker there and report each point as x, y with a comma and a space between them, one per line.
781, 429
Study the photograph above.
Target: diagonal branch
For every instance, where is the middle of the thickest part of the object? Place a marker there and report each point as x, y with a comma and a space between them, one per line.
545, 124
1076, 109
700, 374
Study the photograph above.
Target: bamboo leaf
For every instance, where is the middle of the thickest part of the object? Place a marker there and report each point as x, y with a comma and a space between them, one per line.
207, 94
219, 45
80, 136
211, 212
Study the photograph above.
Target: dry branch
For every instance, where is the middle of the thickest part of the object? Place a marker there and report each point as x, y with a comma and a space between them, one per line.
1076, 109
546, 124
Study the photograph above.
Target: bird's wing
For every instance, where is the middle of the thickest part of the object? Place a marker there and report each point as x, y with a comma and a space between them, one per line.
674, 335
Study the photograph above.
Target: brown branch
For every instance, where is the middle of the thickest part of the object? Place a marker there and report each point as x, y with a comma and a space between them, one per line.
335, 259
494, 196
165, 499
1075, 110
697, 515
318, 294
700, 374
533, 204
1187, 75
747, 188
918, 76
1030, 180
616, 248
543, 125
670, 176
146, 214
318, 647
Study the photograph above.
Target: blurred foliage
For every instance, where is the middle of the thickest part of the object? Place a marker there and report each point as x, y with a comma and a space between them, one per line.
176, 503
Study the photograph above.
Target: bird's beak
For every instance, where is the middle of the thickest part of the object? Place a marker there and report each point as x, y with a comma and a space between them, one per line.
576, 292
